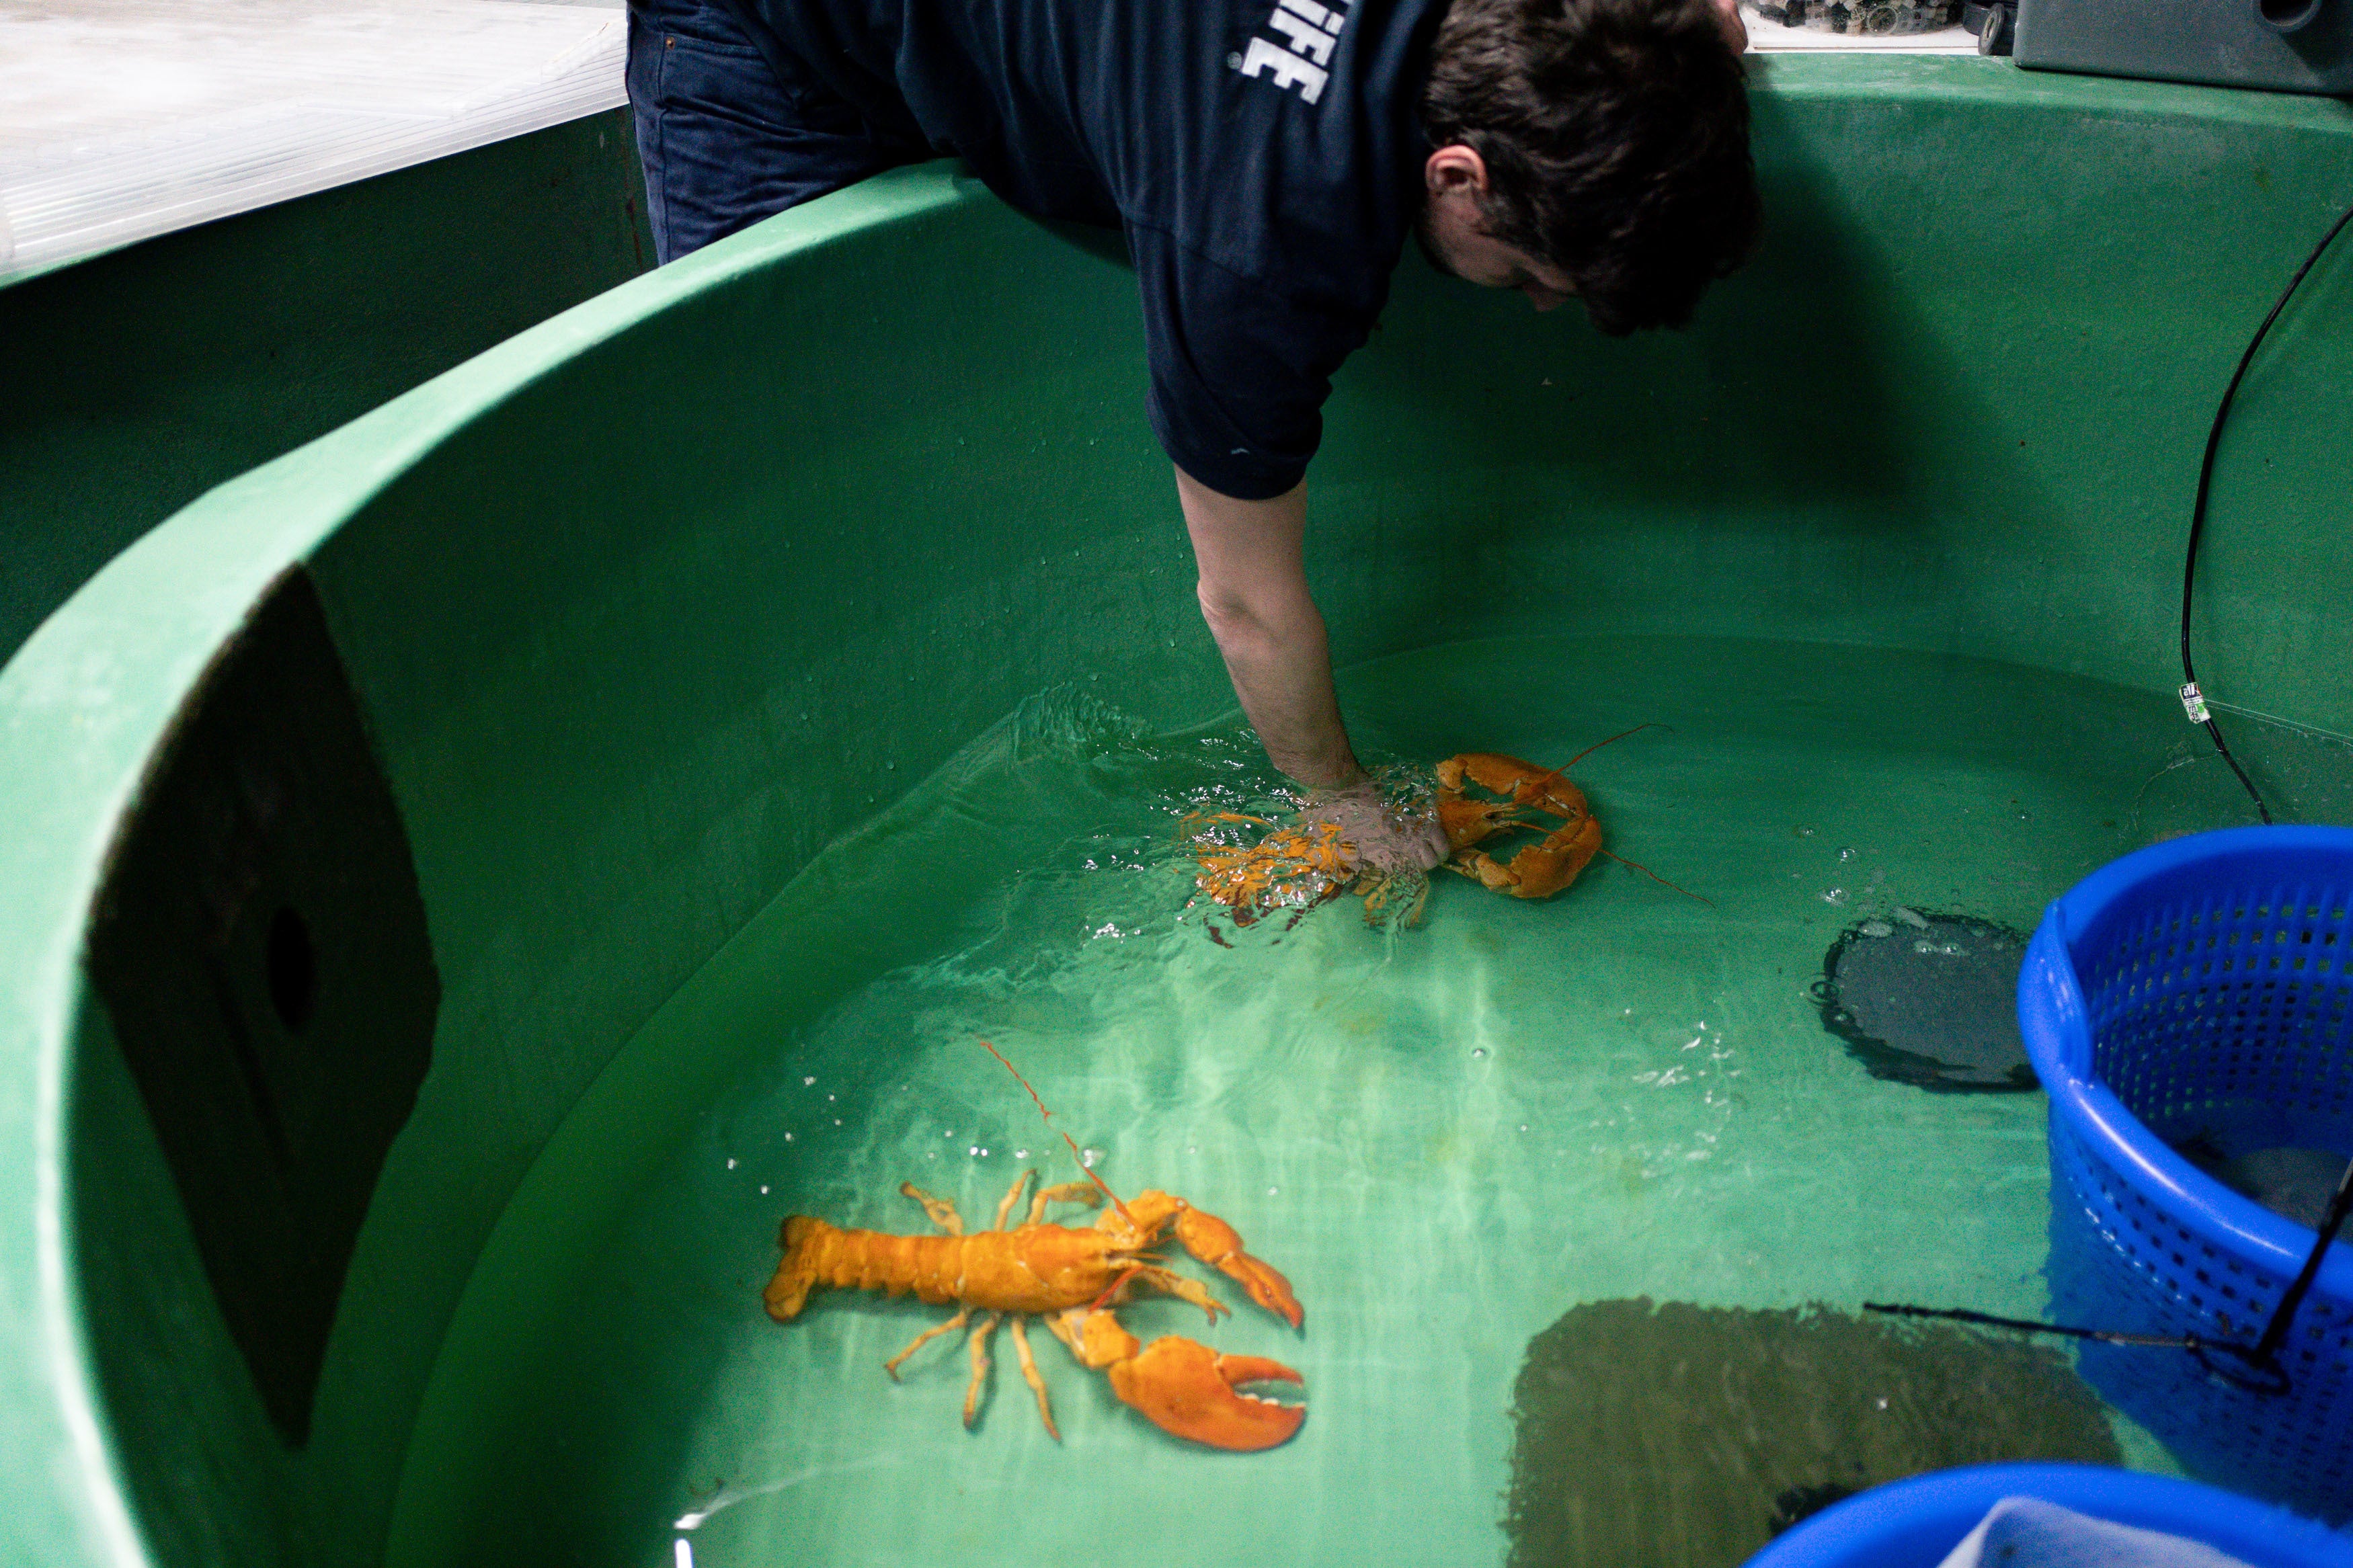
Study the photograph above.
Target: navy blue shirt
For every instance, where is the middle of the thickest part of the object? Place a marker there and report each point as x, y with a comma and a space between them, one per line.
1263, 156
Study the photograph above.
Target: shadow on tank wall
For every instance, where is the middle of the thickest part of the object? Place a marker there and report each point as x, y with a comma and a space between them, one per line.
134, 381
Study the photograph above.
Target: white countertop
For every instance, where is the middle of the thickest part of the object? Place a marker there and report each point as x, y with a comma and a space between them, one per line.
132, 118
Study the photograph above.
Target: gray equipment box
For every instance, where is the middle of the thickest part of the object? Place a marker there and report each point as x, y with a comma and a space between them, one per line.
2292, 45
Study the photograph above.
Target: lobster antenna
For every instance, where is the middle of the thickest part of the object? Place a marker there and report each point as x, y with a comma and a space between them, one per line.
1048, 1116
1661, 881
1613, 740
1113, 1289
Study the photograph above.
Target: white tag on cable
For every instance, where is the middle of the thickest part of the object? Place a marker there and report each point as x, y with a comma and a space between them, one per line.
2193, 703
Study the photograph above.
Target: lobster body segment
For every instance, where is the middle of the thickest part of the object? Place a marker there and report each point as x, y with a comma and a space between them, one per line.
1036, 1270
1070, 1277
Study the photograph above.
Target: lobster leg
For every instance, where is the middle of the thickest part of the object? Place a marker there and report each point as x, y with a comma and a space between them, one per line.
1012, 1196
979, 1368
1068, 1192
1170, 1283
943, 1213
1029, 1376
927, 1337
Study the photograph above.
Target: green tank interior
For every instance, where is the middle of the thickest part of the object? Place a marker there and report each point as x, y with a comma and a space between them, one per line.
756, 652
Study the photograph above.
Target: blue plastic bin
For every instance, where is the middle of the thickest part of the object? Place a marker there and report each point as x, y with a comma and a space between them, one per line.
1913, 1523
2199, 989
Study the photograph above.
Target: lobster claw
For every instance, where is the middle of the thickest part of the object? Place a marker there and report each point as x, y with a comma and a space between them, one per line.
1187, 1389
1220, 1245
1539, 871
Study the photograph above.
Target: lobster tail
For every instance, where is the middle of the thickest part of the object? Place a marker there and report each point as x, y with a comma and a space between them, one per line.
788, 1290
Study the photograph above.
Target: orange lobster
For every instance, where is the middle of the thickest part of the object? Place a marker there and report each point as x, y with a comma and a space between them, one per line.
1071, 1278
1304, 866
1540, 869
1296, 867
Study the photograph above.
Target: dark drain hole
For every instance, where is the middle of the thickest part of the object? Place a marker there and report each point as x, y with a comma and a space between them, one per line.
2287, 15
1929, 1000
293, 970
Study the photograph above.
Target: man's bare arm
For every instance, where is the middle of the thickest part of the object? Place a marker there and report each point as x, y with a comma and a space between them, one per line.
1253, 588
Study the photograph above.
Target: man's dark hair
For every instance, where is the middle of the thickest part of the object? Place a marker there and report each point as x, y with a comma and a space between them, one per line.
1615, 134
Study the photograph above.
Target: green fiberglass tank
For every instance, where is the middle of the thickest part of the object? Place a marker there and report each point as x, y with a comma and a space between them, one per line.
447, 865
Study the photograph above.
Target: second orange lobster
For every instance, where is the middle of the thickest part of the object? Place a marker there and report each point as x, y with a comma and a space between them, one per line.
1071, 1278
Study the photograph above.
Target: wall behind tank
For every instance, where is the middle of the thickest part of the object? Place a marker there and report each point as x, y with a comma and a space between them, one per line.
134, 381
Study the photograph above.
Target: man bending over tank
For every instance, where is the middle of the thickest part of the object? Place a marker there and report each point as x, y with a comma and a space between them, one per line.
1265, 160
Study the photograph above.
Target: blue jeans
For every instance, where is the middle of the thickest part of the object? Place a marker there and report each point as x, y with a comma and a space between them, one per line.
729, 132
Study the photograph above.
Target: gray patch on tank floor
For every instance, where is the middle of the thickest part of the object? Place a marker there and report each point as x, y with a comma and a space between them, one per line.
1929, 1000
1687, 1436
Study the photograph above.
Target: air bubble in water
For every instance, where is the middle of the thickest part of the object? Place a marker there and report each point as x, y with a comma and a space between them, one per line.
1272, 1191
1478, 1051
1088, 1157
1021, 1153
1834, 896
1846, 854
788, 1137
807, 1081
764, 1192
731, 1165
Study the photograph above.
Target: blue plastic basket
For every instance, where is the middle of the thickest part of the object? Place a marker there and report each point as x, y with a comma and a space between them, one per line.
1913, 1523
2200, 989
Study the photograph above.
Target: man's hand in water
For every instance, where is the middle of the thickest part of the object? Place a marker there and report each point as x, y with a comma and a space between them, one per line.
1384, 839
1253, 591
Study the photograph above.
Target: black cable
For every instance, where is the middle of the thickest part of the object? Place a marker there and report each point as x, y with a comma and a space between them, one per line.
2254, 1367
2029, 1326
2266, 1351
2192, 702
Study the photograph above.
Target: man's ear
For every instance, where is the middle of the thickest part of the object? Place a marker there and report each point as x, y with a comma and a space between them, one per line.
1455, 169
